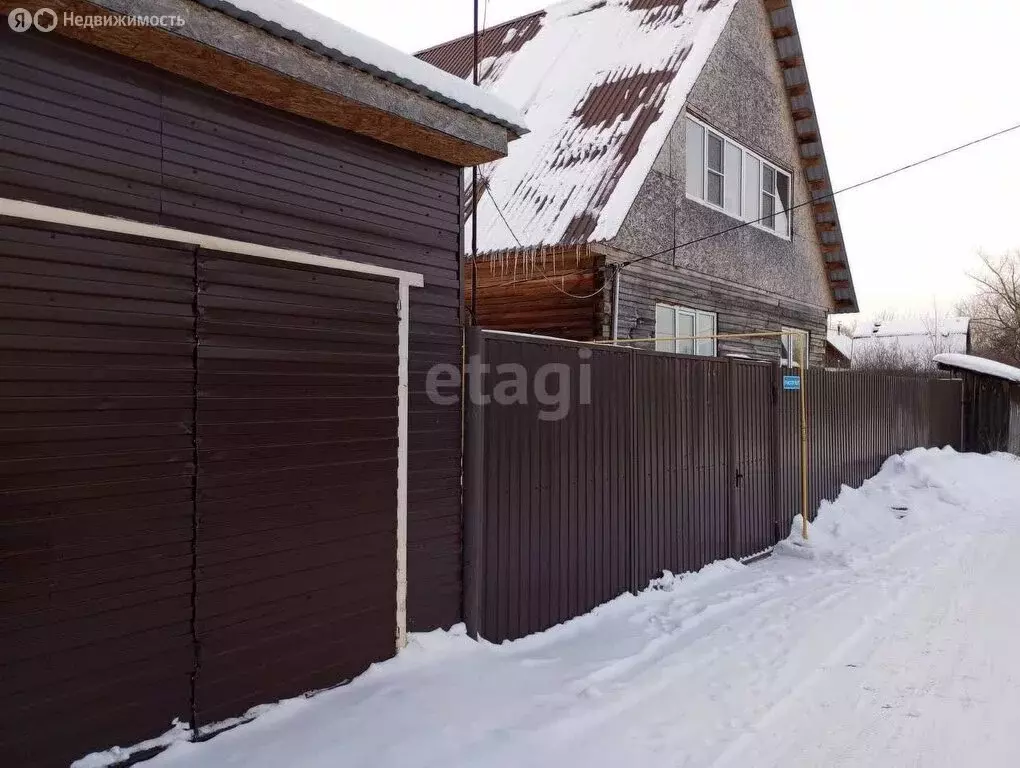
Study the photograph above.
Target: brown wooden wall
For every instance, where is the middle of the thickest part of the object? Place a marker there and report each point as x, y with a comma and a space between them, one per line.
547, 293
96, 491
740, 309
296, 485
675, 462
987, 413
88, 130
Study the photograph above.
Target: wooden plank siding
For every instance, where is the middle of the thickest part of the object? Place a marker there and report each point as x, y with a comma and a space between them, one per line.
88, 130
96, 468
740, 309
545, 292
296, 416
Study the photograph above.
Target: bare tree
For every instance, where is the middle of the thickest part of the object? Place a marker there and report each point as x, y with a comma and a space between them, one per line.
995, 308
910, 351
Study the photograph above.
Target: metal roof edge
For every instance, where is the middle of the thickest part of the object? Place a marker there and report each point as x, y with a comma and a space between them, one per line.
790, 56
277, 30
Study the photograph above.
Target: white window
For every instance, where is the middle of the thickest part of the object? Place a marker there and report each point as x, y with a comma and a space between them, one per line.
725, 175
671, 322
795, 342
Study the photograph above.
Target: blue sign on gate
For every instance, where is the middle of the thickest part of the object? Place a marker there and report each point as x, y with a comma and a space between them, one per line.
791, 382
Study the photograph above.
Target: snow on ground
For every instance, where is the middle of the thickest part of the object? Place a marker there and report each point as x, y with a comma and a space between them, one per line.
889, 640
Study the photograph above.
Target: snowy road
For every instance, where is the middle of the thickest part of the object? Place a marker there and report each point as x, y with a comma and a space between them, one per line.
890, 641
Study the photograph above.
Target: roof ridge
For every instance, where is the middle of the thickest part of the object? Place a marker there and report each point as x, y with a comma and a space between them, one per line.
482, 32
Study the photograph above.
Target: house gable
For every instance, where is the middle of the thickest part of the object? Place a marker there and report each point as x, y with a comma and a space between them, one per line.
741, 92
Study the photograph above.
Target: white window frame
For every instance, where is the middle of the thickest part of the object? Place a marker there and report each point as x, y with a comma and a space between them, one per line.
763, 163
693, 314
791, 333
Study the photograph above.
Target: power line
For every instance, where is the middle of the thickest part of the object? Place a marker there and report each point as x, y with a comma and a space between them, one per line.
550, 280
734, 228
829, 195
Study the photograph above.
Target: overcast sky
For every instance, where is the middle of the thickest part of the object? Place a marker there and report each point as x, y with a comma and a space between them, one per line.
893, 81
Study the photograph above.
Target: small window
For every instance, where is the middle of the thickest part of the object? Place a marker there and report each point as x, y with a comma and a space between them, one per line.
724, 175
674, 327
795, 342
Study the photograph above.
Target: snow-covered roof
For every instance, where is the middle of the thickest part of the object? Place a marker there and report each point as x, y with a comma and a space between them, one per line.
979, 365
299, 24
842, 343
944, 326
600, 84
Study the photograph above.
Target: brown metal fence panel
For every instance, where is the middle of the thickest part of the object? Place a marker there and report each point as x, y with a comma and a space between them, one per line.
671, 463
96, 381
297, 466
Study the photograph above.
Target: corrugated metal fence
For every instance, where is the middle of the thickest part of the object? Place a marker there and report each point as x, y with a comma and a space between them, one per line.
590, 471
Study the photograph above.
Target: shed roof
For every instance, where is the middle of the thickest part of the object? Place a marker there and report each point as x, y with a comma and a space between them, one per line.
840, 342
981, 365
300, 24
600, 83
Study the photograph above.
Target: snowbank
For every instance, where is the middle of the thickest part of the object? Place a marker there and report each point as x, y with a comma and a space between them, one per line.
709, 668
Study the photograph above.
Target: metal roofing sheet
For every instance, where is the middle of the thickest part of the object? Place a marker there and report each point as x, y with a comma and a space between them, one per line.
600, 83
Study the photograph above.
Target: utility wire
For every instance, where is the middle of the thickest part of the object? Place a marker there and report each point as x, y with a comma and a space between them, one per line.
830, 194
811, 201
550, 280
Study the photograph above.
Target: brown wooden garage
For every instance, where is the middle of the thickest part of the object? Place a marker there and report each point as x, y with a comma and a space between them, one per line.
215, 491
201, 474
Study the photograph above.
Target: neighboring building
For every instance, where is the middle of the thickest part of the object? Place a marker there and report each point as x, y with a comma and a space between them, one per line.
231, 251
656, 123
907, 344
838, 349
991, 402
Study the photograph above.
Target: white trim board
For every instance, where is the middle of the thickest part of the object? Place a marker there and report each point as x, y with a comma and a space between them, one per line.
19, 209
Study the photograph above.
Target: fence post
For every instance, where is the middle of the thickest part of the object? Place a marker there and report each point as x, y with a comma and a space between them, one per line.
474, 492
731, 460
632, 479
777, 531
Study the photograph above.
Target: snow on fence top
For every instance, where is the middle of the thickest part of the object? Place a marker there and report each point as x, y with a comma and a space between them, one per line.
979, 365
294, 22
600, 83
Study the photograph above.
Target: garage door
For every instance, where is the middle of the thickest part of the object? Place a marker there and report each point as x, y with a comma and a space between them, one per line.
297, 494
96, 473
198, 507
